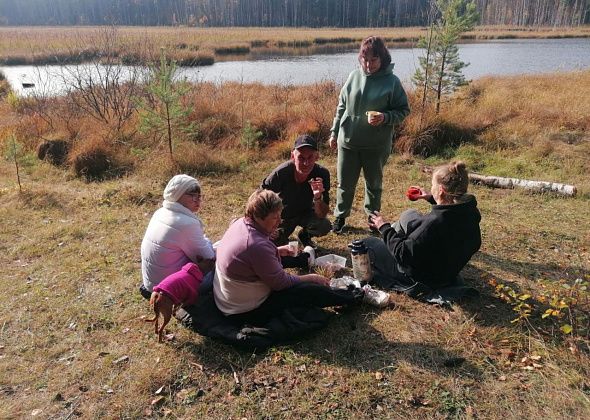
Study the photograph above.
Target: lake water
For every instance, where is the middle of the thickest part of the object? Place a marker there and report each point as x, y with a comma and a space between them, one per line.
501, 57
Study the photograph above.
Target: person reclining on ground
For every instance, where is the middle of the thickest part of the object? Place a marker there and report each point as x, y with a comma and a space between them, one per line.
424, 252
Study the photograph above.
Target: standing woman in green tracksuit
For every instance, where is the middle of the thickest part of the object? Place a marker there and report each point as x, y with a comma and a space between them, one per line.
364, 138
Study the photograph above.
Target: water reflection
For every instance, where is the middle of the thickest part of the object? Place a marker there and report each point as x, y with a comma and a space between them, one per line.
500, 57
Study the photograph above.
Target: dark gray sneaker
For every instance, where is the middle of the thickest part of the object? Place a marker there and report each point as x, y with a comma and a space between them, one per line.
338, 225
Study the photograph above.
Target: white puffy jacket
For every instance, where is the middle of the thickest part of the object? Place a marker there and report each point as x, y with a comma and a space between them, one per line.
173, 238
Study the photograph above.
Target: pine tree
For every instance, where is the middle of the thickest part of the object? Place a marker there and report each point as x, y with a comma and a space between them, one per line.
440, 71
164, 114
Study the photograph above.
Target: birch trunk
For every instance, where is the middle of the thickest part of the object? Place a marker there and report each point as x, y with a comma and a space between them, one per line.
500, 182
537, 186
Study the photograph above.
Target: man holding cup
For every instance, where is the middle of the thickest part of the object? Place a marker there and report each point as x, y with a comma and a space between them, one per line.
303, 186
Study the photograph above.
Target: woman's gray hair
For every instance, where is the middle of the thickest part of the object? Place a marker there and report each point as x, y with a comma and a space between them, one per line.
261, 203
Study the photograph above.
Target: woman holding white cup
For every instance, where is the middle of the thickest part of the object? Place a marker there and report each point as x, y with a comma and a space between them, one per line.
371, 102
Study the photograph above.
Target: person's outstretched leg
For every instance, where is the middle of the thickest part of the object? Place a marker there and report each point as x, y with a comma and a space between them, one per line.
302, 294
311, 294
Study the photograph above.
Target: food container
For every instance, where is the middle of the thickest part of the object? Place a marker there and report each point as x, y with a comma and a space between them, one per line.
333, 261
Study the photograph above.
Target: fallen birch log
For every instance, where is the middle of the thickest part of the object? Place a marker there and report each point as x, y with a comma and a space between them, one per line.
536, 186
500, 182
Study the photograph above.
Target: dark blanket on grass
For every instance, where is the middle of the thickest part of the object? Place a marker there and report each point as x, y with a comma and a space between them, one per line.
293, 323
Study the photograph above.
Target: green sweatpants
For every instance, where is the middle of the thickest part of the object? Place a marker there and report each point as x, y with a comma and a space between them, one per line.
350, 163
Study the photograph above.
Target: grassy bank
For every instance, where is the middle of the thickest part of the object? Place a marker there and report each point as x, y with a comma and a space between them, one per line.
72, 339
202, 46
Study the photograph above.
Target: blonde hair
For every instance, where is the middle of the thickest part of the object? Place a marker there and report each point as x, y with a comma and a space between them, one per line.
261, 203
453, 176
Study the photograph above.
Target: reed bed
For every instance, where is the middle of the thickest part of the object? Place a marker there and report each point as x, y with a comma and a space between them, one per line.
42, 45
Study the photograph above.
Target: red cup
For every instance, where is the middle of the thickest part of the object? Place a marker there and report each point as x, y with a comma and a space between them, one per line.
413, 193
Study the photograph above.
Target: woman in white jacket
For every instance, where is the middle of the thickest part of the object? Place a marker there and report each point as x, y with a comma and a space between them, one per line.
175, 234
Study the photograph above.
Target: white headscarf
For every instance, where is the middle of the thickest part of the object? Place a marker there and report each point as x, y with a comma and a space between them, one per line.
178, 185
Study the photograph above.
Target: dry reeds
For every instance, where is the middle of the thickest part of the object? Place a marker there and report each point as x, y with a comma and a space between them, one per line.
491, 115
50, 45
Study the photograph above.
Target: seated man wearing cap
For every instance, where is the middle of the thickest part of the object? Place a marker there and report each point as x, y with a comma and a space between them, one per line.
303, 186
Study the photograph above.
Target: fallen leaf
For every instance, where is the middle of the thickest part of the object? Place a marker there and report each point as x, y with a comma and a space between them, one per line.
502, 378
378, 376
36, 412
536, 358
537, 365
566, 329
159, 390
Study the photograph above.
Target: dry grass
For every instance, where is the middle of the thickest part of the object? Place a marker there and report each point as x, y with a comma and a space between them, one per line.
73, 270
198, 46
69, 257
524, 127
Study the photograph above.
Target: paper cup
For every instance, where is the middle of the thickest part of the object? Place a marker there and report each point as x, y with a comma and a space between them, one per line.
294, 245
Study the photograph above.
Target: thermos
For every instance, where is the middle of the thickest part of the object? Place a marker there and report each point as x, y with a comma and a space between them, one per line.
361, 264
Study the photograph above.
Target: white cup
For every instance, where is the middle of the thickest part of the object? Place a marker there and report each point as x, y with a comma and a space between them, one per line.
371, 114
294, 245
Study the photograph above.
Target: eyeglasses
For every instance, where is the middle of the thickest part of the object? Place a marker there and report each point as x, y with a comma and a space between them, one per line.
195, 196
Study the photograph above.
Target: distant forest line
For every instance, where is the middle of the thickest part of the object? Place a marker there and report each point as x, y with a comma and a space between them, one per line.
287, 13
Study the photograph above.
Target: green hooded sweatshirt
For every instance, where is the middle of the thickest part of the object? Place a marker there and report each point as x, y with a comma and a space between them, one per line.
381, 91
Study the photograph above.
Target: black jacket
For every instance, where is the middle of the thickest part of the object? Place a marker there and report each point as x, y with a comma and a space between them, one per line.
297, 198
439, 244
